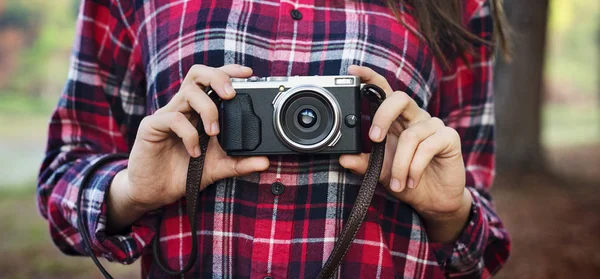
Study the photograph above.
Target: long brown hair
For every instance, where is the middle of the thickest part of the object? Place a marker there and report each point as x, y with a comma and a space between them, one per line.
441, 25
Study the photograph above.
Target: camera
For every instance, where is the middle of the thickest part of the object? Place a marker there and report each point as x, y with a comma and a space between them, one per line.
292, 115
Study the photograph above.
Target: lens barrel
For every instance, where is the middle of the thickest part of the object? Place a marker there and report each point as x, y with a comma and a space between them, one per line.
306, 118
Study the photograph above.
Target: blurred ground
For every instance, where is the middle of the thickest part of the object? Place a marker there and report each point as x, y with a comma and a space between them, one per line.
553, 220
27, 250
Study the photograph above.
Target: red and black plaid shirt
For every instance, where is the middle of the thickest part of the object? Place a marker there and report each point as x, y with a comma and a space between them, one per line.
129, 59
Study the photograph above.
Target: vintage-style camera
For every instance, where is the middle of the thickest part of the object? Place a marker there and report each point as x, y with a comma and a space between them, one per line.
291, 115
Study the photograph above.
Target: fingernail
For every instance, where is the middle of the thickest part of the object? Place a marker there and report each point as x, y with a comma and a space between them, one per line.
229, 89
410, 183
395, 185
244, 68
196, 151
375, 132
214, 127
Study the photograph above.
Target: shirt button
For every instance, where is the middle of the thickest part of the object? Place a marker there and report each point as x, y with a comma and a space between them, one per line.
297, 15
268, 277
277, 188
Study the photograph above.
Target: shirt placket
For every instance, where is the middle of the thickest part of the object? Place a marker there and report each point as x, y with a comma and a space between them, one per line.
274, 220
273, 228
293, 41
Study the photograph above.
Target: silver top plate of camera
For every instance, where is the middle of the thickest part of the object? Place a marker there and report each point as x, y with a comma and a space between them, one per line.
294, 81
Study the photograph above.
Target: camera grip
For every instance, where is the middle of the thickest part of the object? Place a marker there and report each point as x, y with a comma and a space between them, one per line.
240, 126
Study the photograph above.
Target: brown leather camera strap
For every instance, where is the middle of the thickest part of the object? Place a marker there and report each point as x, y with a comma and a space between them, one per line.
192, 189
194, 176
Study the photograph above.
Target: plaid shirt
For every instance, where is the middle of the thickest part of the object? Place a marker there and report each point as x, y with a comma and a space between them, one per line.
129, 59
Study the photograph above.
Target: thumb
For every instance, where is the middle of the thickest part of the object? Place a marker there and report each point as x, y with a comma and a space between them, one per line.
248, 165
239, 166
357, 163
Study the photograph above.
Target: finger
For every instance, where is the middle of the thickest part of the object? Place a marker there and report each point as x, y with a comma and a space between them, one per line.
193, 98
357, 163
398, 104
406, 147
367, 75
248, 165
158, 126
197, 100
236, 71
219, 79
240, 166
444, 142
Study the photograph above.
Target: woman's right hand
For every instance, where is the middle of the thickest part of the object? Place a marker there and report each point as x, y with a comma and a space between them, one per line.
158, 163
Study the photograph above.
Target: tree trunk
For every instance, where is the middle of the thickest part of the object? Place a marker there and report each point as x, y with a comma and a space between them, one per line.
519, 89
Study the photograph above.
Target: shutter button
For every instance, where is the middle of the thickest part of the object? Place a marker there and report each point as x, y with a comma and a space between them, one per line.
277, 188
297, 15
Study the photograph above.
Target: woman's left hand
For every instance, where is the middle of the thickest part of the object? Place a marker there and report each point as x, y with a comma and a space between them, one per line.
423, 163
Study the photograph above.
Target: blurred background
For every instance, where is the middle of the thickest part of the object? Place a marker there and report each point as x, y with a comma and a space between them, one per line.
548, 180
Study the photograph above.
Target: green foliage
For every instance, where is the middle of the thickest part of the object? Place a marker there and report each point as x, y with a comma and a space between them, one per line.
44, 65
561, 16
570, 125
574, 35
22, 123
16, 104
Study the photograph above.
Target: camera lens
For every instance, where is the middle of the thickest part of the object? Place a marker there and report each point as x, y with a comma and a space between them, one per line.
307, 118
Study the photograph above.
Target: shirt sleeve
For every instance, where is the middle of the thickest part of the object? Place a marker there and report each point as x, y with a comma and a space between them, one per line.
99, 106
465, 102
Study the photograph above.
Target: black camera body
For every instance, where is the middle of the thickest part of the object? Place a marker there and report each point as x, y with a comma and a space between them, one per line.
292, 115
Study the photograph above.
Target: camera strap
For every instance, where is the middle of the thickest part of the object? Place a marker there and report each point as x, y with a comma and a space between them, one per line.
194, 176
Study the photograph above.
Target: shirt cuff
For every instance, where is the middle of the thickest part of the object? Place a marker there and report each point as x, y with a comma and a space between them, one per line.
464, 256
125, 248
